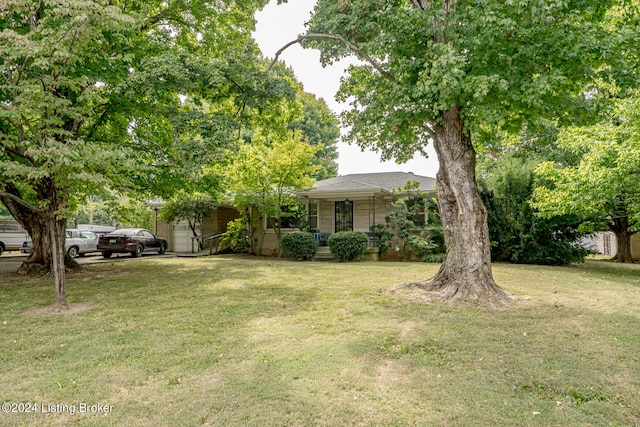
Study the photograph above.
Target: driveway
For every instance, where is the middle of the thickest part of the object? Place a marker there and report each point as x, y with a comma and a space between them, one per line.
11, 261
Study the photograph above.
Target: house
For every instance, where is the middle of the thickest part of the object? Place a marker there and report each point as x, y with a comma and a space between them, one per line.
605, 243
356, 202
179, 234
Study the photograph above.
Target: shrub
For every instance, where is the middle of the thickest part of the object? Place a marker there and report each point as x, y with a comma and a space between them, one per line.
420, 246
299, 245
236, 236
434, 258
518, 233
412, 226
348, 245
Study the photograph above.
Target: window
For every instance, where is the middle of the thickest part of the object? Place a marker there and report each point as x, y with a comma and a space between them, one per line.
313, 215
417, 211
289, 218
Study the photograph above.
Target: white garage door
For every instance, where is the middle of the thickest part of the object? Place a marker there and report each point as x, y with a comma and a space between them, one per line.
181, 238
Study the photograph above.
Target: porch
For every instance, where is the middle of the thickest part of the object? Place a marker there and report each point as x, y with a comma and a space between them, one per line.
328, 216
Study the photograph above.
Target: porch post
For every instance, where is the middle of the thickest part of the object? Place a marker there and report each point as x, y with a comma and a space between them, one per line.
374, 221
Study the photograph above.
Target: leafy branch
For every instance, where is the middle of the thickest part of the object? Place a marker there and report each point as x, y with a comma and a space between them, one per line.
359, 52
341, 39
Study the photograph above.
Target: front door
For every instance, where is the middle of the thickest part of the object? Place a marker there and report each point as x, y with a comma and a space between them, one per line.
344, 216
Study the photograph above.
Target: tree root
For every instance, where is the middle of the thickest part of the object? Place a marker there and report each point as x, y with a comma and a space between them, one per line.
28, 268
452, 292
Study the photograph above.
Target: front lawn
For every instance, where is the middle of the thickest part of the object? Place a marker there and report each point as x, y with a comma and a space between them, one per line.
218, 341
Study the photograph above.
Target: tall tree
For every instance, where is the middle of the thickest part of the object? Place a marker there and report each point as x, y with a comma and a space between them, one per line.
438, 70
605, 183
320, 127
89, 99
265, 174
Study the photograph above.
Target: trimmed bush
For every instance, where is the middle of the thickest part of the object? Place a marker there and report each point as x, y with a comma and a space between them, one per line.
299, 245
348, 245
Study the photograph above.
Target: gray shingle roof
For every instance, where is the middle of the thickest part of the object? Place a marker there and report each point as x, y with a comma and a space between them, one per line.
375, 182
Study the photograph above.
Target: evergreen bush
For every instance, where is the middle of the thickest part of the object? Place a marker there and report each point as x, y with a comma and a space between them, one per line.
348, 245
518, 233
300, 245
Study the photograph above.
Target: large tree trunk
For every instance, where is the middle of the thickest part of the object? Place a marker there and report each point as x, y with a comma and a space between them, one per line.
620, 226
37, 225
466, 273
48, 237
40, 260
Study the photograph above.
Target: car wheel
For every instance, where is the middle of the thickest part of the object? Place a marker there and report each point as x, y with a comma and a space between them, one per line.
1, 249
163, 248
73, 252
106, 254
137, 252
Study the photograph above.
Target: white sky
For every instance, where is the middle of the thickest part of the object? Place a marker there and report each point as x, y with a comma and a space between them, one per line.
279, 24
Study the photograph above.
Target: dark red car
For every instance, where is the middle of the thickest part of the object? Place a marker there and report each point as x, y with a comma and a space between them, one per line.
132, 240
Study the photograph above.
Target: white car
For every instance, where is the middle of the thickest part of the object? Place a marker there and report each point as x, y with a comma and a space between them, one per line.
11, 236
77, 242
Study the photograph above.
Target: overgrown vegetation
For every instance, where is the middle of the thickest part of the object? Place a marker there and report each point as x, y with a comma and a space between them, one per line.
236, 238
412, 226
518, 232
233, 341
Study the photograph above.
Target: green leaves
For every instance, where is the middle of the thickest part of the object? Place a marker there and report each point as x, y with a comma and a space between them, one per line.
502, 62
605, 182
266, 172
191, 207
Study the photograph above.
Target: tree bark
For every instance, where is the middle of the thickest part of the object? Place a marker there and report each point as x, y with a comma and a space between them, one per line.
57, 229
620, 227
192, 226
37, 225
465, 274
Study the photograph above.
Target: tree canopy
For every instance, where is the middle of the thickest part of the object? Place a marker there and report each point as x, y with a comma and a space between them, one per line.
442, 71
99, 95
320, 127
605, 182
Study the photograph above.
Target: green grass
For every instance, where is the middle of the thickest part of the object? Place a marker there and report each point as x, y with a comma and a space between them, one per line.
210, 341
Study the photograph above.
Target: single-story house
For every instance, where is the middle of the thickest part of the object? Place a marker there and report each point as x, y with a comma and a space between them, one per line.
354, 202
